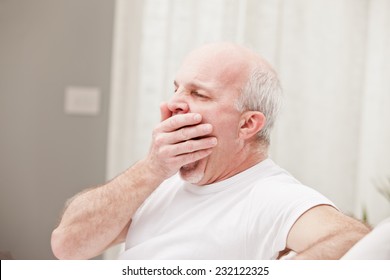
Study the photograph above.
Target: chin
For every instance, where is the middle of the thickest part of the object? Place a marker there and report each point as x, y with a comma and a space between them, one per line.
193, 172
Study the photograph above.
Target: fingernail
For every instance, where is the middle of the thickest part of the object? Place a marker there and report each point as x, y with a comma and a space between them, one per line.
197, 117
207, 128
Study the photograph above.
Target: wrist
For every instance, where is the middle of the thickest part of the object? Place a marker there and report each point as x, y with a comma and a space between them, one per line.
147, 172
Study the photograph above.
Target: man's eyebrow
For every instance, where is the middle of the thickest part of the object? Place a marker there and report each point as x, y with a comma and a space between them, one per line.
192, 85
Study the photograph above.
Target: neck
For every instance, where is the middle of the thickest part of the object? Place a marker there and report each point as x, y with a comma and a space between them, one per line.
255, 153
250, 155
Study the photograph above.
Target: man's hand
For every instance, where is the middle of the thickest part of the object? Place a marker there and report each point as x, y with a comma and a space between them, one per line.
179, 140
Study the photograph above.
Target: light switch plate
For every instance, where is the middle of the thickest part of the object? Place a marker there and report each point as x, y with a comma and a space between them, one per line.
82, 100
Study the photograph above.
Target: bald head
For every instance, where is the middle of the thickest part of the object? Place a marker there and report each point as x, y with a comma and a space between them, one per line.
231, 57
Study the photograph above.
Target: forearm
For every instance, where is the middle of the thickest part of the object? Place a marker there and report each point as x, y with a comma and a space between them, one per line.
95, 218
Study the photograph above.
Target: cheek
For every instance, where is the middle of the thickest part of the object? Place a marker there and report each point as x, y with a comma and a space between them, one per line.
225, 129
224, 121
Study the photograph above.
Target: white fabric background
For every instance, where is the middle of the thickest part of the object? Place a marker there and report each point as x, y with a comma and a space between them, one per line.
333, 57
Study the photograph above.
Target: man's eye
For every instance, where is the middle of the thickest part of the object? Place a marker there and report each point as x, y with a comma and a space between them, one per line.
197, 94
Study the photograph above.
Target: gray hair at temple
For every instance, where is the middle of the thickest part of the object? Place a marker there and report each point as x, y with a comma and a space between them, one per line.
262, 93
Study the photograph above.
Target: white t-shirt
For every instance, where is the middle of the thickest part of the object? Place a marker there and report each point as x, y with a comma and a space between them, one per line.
247, 216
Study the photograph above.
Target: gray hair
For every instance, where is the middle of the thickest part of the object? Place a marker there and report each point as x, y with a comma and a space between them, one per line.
262, 93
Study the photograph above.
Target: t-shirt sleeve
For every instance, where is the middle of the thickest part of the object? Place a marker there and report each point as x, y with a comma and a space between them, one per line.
281, 205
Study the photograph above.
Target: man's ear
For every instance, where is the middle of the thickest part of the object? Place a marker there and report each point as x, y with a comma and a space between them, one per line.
251, 123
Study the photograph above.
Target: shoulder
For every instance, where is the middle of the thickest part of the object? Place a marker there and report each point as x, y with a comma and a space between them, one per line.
278, 200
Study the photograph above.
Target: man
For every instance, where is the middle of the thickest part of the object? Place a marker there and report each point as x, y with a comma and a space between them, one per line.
207, 189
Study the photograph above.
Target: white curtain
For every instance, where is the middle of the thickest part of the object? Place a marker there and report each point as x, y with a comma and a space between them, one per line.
333, 57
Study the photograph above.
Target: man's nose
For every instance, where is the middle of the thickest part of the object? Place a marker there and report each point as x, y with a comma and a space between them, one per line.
178, 104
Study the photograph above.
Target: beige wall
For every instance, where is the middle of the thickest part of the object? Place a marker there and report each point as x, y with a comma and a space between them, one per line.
47, 156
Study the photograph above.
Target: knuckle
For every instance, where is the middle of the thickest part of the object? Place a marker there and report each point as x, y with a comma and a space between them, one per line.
189, 146
158, 140
173, 122
183, 133
155, 131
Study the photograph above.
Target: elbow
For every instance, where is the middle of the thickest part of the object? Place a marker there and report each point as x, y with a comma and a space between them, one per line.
61, 247
361, 230
58, 246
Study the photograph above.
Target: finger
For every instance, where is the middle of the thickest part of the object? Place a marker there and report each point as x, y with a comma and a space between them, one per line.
191, 146
187, 133
178, 121
165, 112
192, 157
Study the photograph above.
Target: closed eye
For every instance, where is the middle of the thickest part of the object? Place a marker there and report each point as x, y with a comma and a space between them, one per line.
197, 94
